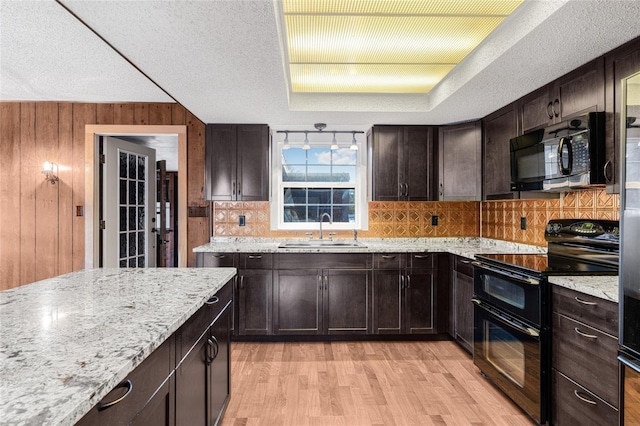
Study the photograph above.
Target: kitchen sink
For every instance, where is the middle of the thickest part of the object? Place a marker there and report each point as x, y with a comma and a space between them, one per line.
312, 244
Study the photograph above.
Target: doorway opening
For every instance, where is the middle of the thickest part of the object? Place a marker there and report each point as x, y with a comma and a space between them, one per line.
173, 188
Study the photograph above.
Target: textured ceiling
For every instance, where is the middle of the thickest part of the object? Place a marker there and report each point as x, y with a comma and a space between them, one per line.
223, 61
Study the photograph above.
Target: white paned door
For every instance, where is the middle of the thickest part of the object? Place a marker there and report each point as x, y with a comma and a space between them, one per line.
129, 203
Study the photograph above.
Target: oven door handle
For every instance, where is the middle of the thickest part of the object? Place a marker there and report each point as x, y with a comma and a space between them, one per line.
507, 321
628, 362
526, 280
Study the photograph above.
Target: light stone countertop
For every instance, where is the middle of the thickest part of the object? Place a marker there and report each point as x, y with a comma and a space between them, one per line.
604, 287
67, 341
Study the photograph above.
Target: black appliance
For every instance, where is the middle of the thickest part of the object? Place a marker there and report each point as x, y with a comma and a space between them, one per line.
629, 295
512, 312
566, 155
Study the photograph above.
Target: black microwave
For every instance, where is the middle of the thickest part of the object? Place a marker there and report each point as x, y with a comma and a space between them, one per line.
568, 155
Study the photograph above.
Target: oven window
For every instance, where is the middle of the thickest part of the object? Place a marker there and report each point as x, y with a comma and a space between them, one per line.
503, 290
505, 352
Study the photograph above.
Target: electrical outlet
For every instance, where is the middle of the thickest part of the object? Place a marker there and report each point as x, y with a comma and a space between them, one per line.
242, 220
523, 223
434, 220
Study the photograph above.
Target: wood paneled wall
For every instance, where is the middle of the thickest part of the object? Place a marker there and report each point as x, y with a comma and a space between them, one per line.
40, 234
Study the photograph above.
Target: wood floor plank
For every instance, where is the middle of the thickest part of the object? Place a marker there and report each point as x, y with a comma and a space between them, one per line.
362, 384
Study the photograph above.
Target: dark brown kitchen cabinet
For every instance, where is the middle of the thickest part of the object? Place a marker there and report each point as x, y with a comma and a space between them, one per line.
460, 162
463, 306
581, 90
620, 63
237, 162
401, 163
145, 393
584, 359
254, 301
499, 128
203, 371
322, 301
404, 294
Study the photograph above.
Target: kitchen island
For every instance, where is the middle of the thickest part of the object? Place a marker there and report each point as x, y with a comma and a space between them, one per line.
67, 341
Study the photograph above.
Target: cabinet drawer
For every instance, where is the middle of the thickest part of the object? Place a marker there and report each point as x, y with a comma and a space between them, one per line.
143, 381
256, 260
574, 405
587, 356
388, 260
421, 260
217, 260
464, 266
323, 260
188, 334
593, 311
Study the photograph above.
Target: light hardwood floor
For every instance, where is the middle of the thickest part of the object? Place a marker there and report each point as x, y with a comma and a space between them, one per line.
362, 383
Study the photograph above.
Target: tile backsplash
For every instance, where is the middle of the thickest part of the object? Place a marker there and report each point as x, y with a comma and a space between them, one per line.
491, 219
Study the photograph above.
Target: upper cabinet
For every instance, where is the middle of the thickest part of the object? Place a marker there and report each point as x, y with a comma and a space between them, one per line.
499, 128
460, 162
578, 91
401, 159
237, 162
620, 63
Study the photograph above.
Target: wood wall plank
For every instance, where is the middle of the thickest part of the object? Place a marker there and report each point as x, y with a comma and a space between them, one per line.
47, 219
65, 188
178, 114
197, 228
141, 114
160, 113
10, 195
104, 114
123, 114
82, 114
30, 177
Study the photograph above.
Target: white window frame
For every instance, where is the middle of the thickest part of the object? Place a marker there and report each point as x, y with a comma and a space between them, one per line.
277, 192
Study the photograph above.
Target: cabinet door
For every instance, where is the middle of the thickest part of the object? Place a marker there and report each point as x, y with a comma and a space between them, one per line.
499, 128
347, 297
463, 293
297, 304
420, 302
220, 162
418, 163
254, 301
253, 162
460, 162
536, 109
387, 301
388, 165
191, 386
581, 90
160, 410
574, 405
219, 371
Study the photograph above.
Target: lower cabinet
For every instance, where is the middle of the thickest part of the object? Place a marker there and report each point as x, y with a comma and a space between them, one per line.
322, 301
255, 287
584, 359
463, 306
183, 382
403, 299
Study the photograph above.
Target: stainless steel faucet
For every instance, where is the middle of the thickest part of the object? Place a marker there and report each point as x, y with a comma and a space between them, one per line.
322, 217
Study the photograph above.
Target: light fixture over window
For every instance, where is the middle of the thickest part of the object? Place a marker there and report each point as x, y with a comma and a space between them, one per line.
306, 141
354, 143
286, 145
334, 143
354, 46
50, 172
320, 127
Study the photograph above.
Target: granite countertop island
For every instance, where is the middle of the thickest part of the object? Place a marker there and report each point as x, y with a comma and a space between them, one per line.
67, 341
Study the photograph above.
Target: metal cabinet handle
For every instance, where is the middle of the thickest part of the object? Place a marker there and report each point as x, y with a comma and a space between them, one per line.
241, 282
421, 256
401, 282
466, 262
585, 302
219, 256
556, 108
233, 187
388, 256
582, 398
239, 185
212, 301
320, 282
607, 176
408, 281
212, 349
550, 110
255, 256
126, 384
583, 334
326, 282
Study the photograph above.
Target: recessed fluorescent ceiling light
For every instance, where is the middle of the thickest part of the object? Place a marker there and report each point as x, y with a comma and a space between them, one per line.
383, 46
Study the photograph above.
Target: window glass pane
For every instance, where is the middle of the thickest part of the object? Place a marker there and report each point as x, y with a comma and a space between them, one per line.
141, 192
295, 196
123, 191
344, 214
141, 218
141, 168
123, 263
141, 242
132, 262
132, 166
294, 156
295, 173
123, 245
344, 174
132, 219
318, 156
132, 192
141, 262
319, 174
123, 218
315, 211
295, 214
132, 244
123, 164
319, 196
344, 157
344, 196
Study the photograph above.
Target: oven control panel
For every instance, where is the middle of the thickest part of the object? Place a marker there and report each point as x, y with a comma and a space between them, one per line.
567, 229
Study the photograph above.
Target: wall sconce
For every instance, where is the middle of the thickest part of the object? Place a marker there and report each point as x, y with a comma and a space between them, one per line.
50, 172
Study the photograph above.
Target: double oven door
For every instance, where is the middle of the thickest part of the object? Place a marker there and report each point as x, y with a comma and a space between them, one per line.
511, 338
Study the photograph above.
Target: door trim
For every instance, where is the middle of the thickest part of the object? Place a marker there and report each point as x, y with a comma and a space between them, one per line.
92, 190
